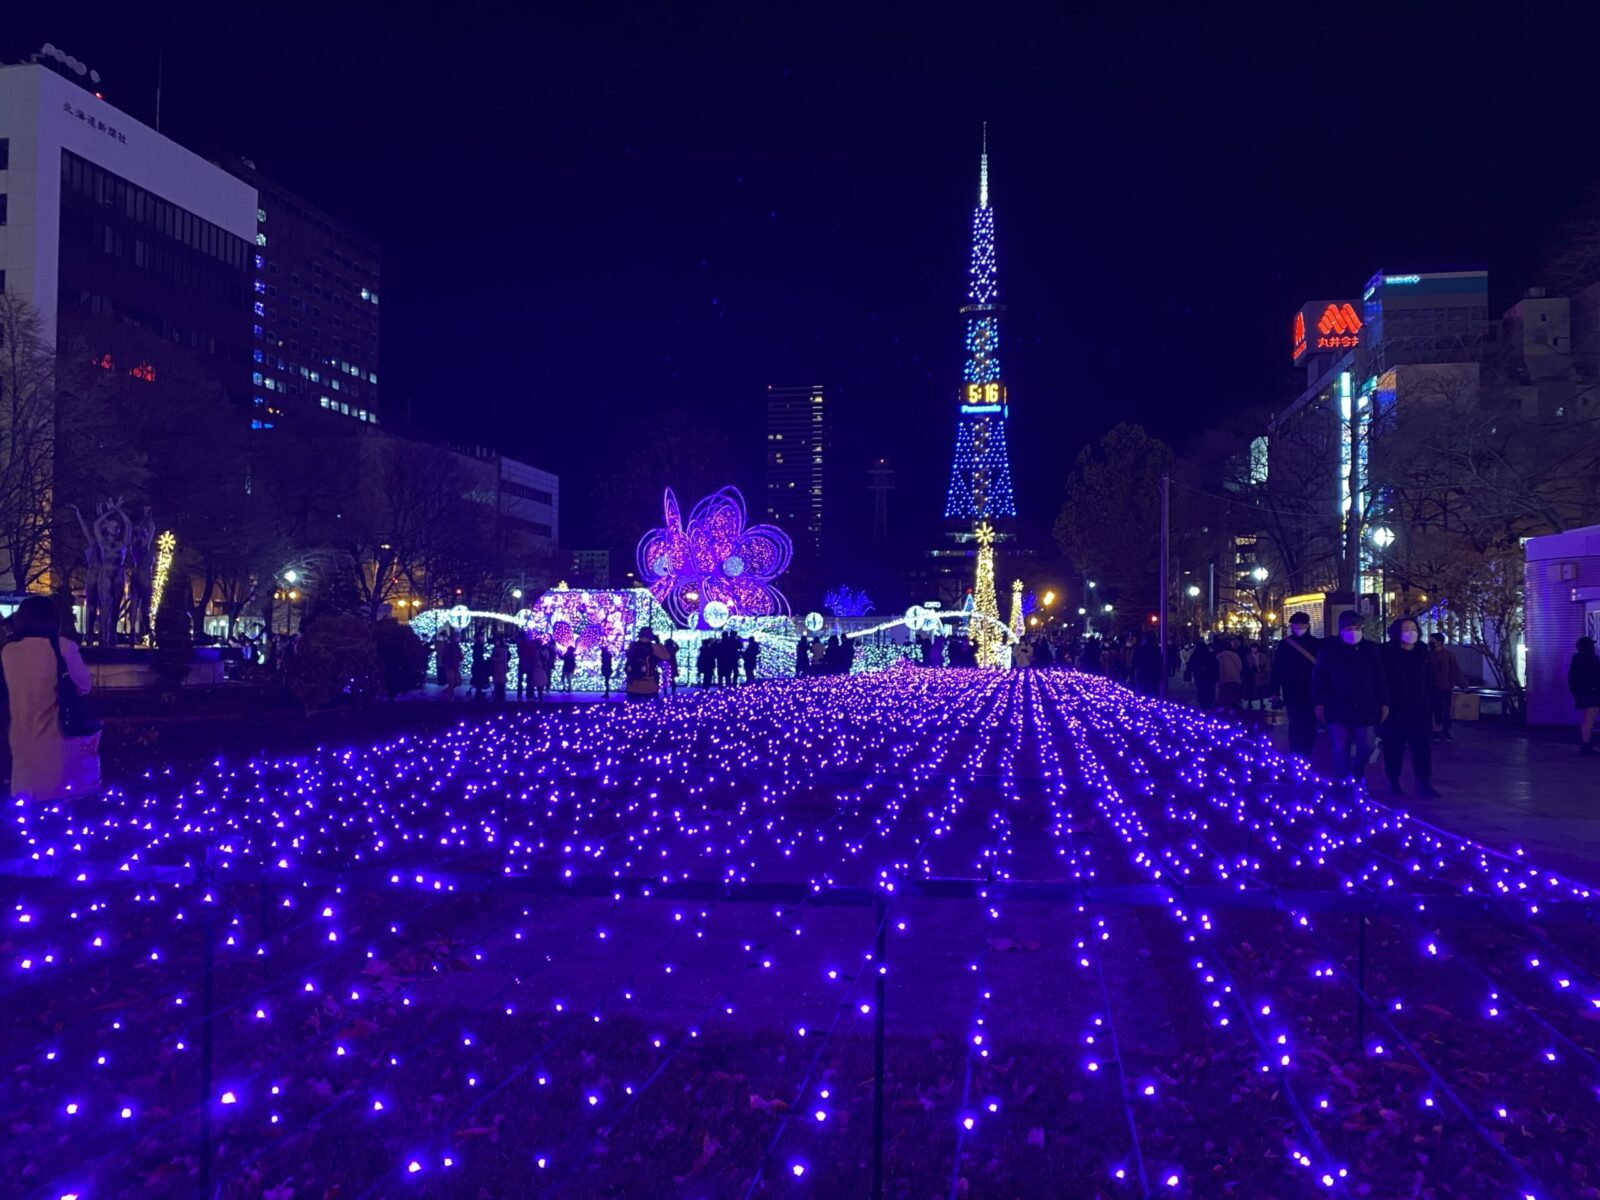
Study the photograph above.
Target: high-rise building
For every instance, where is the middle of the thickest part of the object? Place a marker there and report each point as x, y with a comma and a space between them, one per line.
797, 439
316, 299
1408, 337
102, 218
980, 476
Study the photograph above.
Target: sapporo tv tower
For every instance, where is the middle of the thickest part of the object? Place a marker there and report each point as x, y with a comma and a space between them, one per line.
980, 476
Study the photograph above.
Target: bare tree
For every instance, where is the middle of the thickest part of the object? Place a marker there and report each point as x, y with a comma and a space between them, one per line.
27, 442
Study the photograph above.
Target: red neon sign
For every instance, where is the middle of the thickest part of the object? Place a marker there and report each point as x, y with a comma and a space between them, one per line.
1338, 327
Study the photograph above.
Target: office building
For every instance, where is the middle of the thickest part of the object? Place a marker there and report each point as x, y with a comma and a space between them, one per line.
797, 439
530, 504
590, 569
104, 220
316, 290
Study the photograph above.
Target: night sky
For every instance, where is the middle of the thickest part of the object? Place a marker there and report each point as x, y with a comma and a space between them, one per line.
584, 219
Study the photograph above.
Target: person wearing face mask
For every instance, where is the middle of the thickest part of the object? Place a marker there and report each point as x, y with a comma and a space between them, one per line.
1351, 695
1292, 664
1409, 670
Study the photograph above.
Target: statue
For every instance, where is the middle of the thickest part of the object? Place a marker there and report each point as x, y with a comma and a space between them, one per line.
141, 577
106, 556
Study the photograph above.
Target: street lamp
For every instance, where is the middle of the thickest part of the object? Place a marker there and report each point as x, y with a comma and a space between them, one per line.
516, 593
1259, 574
1049, 599
1107, 608
291, 575
1194, 591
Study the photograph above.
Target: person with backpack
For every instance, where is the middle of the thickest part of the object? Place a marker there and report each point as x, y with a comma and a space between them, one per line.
1292, 665
641, 664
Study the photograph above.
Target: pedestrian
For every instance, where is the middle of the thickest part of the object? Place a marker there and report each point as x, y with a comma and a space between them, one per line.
706, 661
1202, 669
819, 654
1257, 676
525, 652
752, 659
1583, 681
500, 668
669, 669
728, 658
1147, 666
1292, 664
1409, 671
450, 666
480, 667
54, 751
569, 666
539, 668
1230, 674
1447, 678
1021, 655
1352, 696
605, 667
802, 656
641, 664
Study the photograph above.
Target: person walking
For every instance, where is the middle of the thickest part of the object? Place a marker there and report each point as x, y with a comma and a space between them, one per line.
539, 669
669, 668
569, 666
1292, 664
752, 659
1257, 676
450, 666
525, 652
1583, 681
605, 667
1147, 666
1021, 655
48, 761
705, 661
1230, 675
1408, 669
1202, 670
500, 668
480, 667
1447, 678
802, 659
1352, 696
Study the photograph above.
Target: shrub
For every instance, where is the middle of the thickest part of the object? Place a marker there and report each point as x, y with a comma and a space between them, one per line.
403, 657
174, 636
335, 662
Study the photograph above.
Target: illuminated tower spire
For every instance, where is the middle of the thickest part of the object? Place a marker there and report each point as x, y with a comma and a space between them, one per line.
980, 477
983, 170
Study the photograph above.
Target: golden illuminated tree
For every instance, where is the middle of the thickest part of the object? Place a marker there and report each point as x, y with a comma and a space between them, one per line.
987, 631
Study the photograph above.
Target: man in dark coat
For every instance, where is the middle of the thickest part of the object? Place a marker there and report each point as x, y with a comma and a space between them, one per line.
1147, 666
1202, 669
1352, 696
1409, 673
1292, 664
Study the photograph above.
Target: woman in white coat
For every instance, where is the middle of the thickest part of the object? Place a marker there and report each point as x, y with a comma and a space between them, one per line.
39, 754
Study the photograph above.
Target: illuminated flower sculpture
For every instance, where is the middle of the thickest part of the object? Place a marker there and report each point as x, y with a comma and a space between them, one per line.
714, 557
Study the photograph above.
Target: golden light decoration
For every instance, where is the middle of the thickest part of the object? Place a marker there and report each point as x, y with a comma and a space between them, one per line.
1016, 610
165, 544
985, 608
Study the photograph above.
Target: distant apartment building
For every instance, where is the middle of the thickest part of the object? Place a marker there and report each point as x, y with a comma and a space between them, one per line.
797, 440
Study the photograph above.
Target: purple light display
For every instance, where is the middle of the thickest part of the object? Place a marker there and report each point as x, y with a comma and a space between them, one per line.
438, 955
715, 556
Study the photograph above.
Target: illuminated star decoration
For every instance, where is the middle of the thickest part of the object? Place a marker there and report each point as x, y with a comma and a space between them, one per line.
714, 557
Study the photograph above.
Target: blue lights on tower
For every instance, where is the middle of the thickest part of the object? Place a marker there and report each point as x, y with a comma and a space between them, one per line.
980, 476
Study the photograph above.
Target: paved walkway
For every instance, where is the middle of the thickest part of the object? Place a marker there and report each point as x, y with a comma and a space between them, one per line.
1505, 787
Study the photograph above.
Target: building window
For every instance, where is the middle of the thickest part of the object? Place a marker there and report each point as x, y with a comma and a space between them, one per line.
5, 153
2, 208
